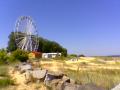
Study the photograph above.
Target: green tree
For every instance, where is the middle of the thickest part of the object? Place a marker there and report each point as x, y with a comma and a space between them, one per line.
45, 46
11, 43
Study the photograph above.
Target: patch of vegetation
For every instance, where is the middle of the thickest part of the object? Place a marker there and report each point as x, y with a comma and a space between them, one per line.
73, 55
19, 55
101, 77
5, 79
3, 71
3, 56
6, 82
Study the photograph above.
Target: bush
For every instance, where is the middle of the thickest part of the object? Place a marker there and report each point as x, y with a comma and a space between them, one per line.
19, 55
81, 55
3, 56
73, 55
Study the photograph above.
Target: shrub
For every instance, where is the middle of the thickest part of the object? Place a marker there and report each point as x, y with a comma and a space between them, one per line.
19, 55
12, 59
81, 55
73, 55
3, 56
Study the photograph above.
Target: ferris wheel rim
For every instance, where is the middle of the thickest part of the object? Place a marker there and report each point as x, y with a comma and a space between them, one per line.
26, 38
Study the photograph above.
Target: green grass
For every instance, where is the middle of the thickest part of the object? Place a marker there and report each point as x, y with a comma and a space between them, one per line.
100, 77
3, 71
5, 79
6, 82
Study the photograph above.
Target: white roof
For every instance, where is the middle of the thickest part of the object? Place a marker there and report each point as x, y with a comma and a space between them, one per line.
51, 53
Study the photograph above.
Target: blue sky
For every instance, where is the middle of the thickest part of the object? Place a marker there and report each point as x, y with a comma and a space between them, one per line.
90, 27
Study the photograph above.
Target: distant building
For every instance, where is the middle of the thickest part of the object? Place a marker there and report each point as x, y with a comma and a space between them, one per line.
33, 55
51, 55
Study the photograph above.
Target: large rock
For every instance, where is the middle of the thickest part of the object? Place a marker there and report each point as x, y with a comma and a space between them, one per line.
35, 75
28, 76
60, 85
68, 86
52, 76
39, 74
54, 84
72, 81
66, 79
25, 67
117, 87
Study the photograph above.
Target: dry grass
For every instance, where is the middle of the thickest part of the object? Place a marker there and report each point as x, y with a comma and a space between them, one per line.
102, 77
104, 73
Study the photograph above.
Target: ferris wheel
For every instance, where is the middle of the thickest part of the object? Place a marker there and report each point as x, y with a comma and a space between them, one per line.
26, 35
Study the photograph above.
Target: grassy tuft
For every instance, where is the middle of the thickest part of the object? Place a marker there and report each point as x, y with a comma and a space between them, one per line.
5, 79
100, 77
3, 71
6, 82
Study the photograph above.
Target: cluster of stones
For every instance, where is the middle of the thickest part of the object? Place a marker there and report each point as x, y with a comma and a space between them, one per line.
56, 81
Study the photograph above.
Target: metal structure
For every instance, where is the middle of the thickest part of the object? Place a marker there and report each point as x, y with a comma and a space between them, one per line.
26, 35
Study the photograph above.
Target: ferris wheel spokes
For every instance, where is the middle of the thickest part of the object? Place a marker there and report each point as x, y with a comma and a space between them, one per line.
26, 35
